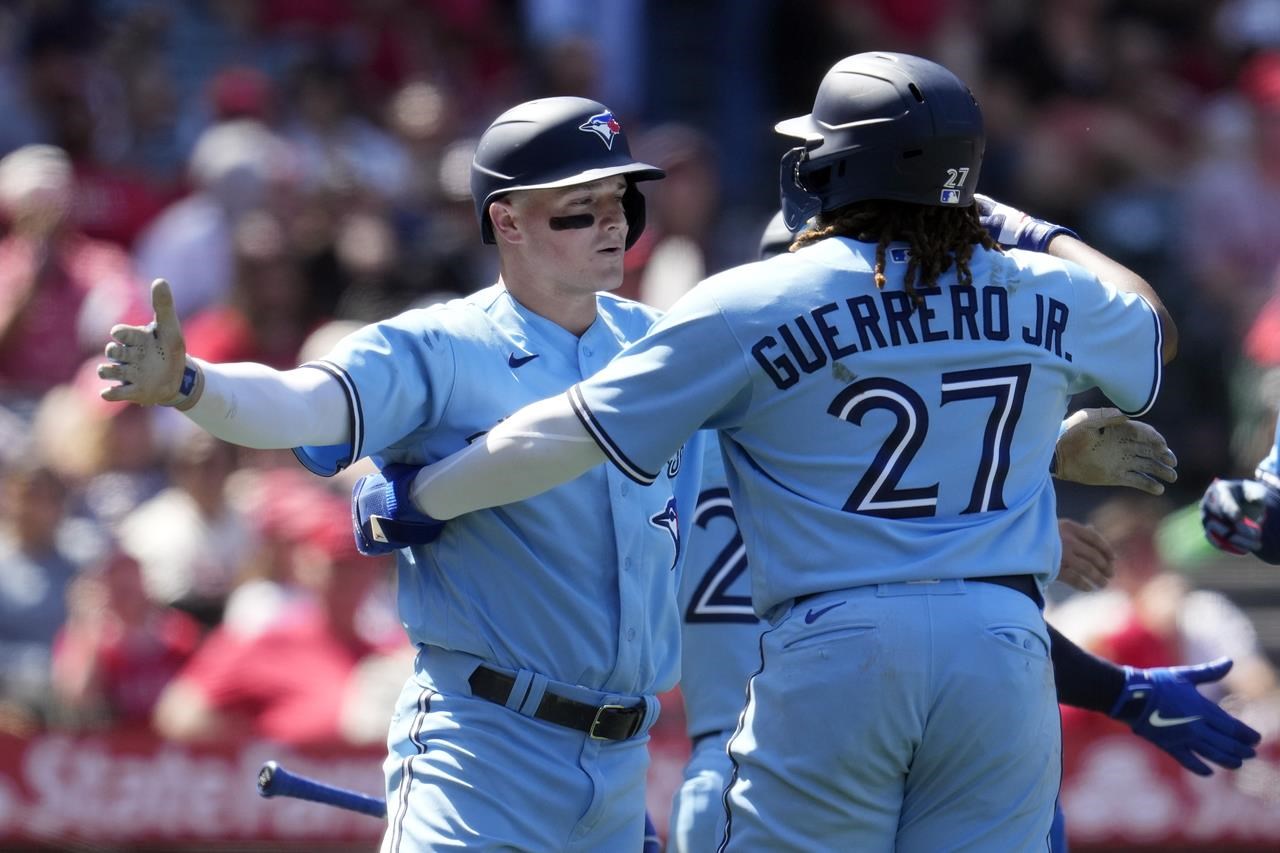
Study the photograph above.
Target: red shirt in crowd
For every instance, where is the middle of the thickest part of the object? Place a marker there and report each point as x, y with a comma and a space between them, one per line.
287, 682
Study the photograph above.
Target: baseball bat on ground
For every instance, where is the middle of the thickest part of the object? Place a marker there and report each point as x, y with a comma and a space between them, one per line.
275, 781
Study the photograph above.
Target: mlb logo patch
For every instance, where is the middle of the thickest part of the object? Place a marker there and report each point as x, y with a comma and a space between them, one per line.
899, 256
950, 197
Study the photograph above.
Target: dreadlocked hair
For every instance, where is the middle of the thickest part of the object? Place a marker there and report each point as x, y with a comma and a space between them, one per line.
937, 236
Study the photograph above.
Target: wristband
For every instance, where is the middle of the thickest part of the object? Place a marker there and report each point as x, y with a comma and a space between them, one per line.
189, 389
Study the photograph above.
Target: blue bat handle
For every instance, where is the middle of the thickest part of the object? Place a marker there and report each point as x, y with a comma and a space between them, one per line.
275, 781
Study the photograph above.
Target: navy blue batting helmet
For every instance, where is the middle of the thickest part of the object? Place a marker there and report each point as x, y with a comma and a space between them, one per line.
883, 126
556, 142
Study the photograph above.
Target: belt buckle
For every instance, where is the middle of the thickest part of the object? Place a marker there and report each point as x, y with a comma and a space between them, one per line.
595, 723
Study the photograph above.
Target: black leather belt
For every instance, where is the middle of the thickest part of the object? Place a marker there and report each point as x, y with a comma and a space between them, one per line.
1025, 584
602, 722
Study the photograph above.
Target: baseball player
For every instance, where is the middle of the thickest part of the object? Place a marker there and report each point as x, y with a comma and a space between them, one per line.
720, 651
721, 632
1243, 516
543, 639
888, 399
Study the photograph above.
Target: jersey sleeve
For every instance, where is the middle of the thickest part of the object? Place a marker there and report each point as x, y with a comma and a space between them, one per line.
687, 373
397, 377
1123, 342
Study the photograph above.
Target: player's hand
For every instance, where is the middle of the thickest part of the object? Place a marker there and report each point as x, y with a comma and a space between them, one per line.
1164, 706
384, 515
1087, 559
150, 362
1014, 229
1102, 447
1231, 513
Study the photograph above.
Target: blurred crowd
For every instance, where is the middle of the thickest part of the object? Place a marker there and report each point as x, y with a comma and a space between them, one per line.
298, 167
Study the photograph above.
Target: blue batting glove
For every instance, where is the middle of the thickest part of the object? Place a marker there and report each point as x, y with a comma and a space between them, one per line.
1163, 706
1014, 229
384, 516
1229, 513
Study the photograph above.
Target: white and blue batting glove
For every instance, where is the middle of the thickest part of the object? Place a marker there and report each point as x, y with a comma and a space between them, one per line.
383, 513
1014, 229
1163, 705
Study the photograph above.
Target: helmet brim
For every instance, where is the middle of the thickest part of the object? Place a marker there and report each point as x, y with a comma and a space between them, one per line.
635, 171
800, 127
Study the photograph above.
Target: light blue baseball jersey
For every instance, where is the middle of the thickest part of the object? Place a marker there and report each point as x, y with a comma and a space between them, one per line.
721, 632
837, 421
578, 583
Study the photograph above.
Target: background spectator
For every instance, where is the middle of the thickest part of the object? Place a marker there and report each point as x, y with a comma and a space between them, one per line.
118, 649
191, 541
35, 572
287, 682
56, 284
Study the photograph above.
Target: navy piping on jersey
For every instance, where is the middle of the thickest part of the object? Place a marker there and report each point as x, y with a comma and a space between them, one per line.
355, 413
1159, 371
611, 450
406, 769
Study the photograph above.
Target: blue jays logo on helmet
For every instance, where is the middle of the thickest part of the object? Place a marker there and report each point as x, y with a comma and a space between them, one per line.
603, 125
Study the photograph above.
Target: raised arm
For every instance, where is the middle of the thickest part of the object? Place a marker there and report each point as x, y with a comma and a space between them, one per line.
1012, 228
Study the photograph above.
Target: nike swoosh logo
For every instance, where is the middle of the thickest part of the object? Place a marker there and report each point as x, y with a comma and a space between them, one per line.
814, 615
520, 360
1160, 722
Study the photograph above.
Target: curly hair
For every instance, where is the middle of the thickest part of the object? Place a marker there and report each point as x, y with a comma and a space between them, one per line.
937, 236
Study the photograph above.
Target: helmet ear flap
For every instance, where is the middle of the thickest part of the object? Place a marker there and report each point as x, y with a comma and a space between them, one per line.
799, 203
633, 209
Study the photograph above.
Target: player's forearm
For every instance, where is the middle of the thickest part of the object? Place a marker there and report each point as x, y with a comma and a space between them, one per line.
253, 405
537, 448
1121, 278
1083, 680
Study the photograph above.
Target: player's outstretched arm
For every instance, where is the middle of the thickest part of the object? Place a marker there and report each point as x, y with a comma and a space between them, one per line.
1102, 447
1161, 705
539, 447
246, 403
1014, 229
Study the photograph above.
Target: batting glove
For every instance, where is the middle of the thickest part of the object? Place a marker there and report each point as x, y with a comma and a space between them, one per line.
1014, 229
383, 513
1102, 447
150, 363
1229, 512
1163, 706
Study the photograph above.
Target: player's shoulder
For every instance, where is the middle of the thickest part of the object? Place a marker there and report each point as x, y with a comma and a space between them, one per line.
622, 309
735, 279
454, 313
